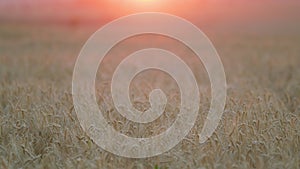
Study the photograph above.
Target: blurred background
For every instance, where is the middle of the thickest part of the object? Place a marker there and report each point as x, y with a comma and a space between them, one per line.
241, 15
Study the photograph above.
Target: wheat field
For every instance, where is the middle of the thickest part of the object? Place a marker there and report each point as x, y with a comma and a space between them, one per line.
39, 128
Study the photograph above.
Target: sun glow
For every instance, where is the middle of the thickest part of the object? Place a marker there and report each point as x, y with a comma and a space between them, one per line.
147, 1
143, 5
117, 8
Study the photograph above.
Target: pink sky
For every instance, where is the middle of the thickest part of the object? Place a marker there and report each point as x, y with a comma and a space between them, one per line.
241, 12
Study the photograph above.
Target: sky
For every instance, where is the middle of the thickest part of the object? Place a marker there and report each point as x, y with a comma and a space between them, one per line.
205, 12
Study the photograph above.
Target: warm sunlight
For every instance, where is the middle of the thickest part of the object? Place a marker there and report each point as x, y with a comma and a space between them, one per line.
146, 3
142, 1
149, 84
145, 0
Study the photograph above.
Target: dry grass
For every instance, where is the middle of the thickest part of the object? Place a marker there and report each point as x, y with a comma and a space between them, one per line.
39, 128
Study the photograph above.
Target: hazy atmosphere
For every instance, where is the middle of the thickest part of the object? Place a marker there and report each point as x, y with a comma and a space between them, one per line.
244, 14
258, 44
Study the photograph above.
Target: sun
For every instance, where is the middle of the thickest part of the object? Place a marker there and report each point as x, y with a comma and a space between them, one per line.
146, 3
144, 0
